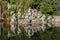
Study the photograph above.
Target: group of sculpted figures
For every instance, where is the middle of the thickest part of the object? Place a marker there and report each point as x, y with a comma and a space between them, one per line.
32, 21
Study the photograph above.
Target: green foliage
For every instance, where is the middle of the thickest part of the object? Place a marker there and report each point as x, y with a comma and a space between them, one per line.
36, 4
12, 1
56, 5
46, 8
25, 4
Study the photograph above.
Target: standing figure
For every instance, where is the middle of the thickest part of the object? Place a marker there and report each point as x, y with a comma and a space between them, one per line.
43, 22
13, 22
